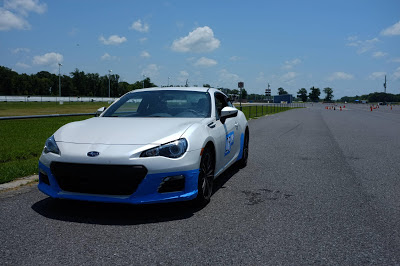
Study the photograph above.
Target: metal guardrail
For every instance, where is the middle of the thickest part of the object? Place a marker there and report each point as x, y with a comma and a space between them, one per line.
4, 98
43, 116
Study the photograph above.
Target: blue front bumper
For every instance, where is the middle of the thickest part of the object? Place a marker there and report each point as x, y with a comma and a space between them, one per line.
146, 193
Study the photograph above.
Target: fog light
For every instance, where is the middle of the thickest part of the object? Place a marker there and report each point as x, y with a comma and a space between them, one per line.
172, 184
43, 178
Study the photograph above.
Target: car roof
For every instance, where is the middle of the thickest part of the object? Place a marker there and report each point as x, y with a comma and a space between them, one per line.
199, 89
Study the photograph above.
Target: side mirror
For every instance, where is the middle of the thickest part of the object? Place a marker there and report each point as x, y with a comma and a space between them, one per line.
99, 111
228, 112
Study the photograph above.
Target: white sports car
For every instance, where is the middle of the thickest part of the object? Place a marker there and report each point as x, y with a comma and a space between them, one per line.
150, 146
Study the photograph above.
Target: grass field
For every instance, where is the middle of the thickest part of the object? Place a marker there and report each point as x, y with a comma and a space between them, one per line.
22, 141
255, 111
34, 108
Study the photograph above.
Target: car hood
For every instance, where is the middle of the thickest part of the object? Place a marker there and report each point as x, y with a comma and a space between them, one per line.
124, 131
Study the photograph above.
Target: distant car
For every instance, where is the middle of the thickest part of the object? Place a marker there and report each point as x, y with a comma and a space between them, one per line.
150, 146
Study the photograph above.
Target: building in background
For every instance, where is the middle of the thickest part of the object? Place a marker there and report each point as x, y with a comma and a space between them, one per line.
285, 98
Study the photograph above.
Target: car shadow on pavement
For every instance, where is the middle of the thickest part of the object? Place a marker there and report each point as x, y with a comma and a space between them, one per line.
122, 214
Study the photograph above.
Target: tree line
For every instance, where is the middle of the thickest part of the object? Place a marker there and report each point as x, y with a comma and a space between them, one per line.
78, 83
373, 97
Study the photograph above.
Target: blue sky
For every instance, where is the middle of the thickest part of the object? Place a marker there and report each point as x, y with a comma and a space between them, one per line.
346, 45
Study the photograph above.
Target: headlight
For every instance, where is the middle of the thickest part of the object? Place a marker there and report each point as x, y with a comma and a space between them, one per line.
51, 146
171, 150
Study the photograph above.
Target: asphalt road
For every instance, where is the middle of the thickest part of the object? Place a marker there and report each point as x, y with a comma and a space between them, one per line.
321, 187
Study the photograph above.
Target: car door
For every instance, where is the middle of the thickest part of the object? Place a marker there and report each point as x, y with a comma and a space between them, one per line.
227, 134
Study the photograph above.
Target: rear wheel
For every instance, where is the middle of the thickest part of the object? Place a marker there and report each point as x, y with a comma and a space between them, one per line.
206, 177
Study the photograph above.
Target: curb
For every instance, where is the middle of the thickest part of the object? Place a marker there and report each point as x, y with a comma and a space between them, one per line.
19, 182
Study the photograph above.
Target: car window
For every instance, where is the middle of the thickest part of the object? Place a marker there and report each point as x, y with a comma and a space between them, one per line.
161, 103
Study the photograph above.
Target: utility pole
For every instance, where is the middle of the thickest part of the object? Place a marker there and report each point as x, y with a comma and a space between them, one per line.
384, 84
240, 86
59, 78
109, 83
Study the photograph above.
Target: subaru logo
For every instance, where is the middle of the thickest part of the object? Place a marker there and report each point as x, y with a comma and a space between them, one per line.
93, 153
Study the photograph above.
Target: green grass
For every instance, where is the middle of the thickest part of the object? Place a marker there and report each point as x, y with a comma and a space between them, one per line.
22, 142
37, 108
257, 111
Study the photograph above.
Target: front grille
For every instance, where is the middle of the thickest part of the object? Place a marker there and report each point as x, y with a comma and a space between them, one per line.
98, 179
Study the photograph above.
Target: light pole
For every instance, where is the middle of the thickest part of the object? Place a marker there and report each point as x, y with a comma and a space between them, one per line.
59, 78
109, 85
168, 81
144, 77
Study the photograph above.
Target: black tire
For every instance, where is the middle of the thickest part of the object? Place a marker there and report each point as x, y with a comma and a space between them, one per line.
206, 178
245, 155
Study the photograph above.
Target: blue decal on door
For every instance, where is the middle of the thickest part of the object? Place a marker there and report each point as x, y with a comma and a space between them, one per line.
229, 142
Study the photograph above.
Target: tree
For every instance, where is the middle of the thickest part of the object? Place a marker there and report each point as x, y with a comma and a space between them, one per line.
6, 77
329, 94
206, 86
302, 94
281, 91
76, 84
244, 94
314, 94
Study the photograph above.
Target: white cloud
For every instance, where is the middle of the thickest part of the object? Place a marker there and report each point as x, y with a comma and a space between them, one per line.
340, 76
392, 30
396, 74
151, 70
200, 40
395, 60
377, 75
14, 12
9, 20
112, 40
109, 57
145, 54
139, 26
291, 64
25, 6
226, 77
379, 54
48, 59
261, 78
183, 76
22, 65
289, 77
20, 50
184, 73
362, 46
142, 40
235, 58
205, 62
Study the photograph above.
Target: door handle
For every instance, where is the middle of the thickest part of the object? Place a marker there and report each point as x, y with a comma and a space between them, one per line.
236, 125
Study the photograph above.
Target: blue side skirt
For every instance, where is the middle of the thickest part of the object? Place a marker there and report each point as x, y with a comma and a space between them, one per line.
146, 192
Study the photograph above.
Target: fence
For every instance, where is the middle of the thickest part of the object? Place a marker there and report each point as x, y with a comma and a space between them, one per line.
252, 111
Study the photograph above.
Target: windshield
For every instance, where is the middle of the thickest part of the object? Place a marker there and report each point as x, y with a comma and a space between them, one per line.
162, 104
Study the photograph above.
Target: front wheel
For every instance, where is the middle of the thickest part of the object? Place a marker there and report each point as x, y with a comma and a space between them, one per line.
245, 155
206, 178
